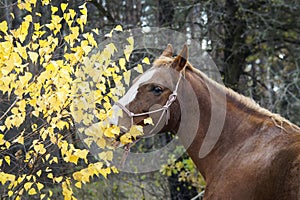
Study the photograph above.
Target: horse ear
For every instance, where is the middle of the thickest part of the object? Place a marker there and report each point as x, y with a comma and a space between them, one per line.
168, 52
180, 60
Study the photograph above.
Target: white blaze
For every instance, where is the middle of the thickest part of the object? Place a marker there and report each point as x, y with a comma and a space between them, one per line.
130, 94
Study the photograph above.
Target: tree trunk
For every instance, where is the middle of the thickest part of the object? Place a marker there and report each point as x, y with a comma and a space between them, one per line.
165, 12
235, 51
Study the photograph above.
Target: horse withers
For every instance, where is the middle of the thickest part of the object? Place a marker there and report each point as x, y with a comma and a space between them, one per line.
254, 155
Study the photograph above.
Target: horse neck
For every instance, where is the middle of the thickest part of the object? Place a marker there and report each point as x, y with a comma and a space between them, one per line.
240, 122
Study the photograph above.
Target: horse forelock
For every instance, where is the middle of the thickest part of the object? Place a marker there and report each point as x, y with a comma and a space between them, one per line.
164, 61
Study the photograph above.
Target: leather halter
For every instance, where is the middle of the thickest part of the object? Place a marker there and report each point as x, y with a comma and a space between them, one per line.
164, 109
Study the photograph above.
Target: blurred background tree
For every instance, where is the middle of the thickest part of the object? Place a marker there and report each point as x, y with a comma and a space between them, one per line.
255, 44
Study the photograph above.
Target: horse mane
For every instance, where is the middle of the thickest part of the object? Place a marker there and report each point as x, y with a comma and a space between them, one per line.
245, 102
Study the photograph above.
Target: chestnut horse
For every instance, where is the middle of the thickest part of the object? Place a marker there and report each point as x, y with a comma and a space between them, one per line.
255, 155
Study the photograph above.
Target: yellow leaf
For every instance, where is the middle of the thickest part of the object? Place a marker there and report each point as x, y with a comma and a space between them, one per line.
107, 156
63, 6
7, 144
112, 131
50, 193
22, 103
39, 148
126, 138
42, 196
88, 141
50, 175
28, 185
109, 34
2, 141
21, 50
77, 176
58, 179
10, 193
136, 131
130, 40
19, 139
55, 159
2, 128
129, 48
33, 56
83, 9
127, 77
111, 48
105, 171
4, 177
96, 30
122, 63
45, 2
40, 186
21, 178
15, 111
101, 142
127, 52
39, 173
32, 191
7, 159
35, 113
33, 2
78, 184
148, 121
81, 153
61, 124
21, 191
28, 18
47, 156
73, 159
54, 9
23, 31
146, 61
114, 169
139, 68
34, 46
119, 28
82, 20
15, 59
3, 27
28, 177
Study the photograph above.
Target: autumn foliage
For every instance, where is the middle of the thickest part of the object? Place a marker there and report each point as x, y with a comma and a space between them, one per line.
56, 91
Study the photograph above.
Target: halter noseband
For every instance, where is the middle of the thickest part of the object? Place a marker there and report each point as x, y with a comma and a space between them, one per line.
164, 109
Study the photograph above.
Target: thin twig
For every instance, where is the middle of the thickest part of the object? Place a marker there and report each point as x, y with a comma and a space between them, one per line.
11, 106
200, 195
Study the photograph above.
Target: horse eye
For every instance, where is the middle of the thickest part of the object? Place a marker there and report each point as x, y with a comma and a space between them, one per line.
157, 90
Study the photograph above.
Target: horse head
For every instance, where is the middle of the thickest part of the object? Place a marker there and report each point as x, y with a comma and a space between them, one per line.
154, 94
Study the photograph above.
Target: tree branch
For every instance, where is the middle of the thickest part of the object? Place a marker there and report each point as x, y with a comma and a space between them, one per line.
11, 106
102, 10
